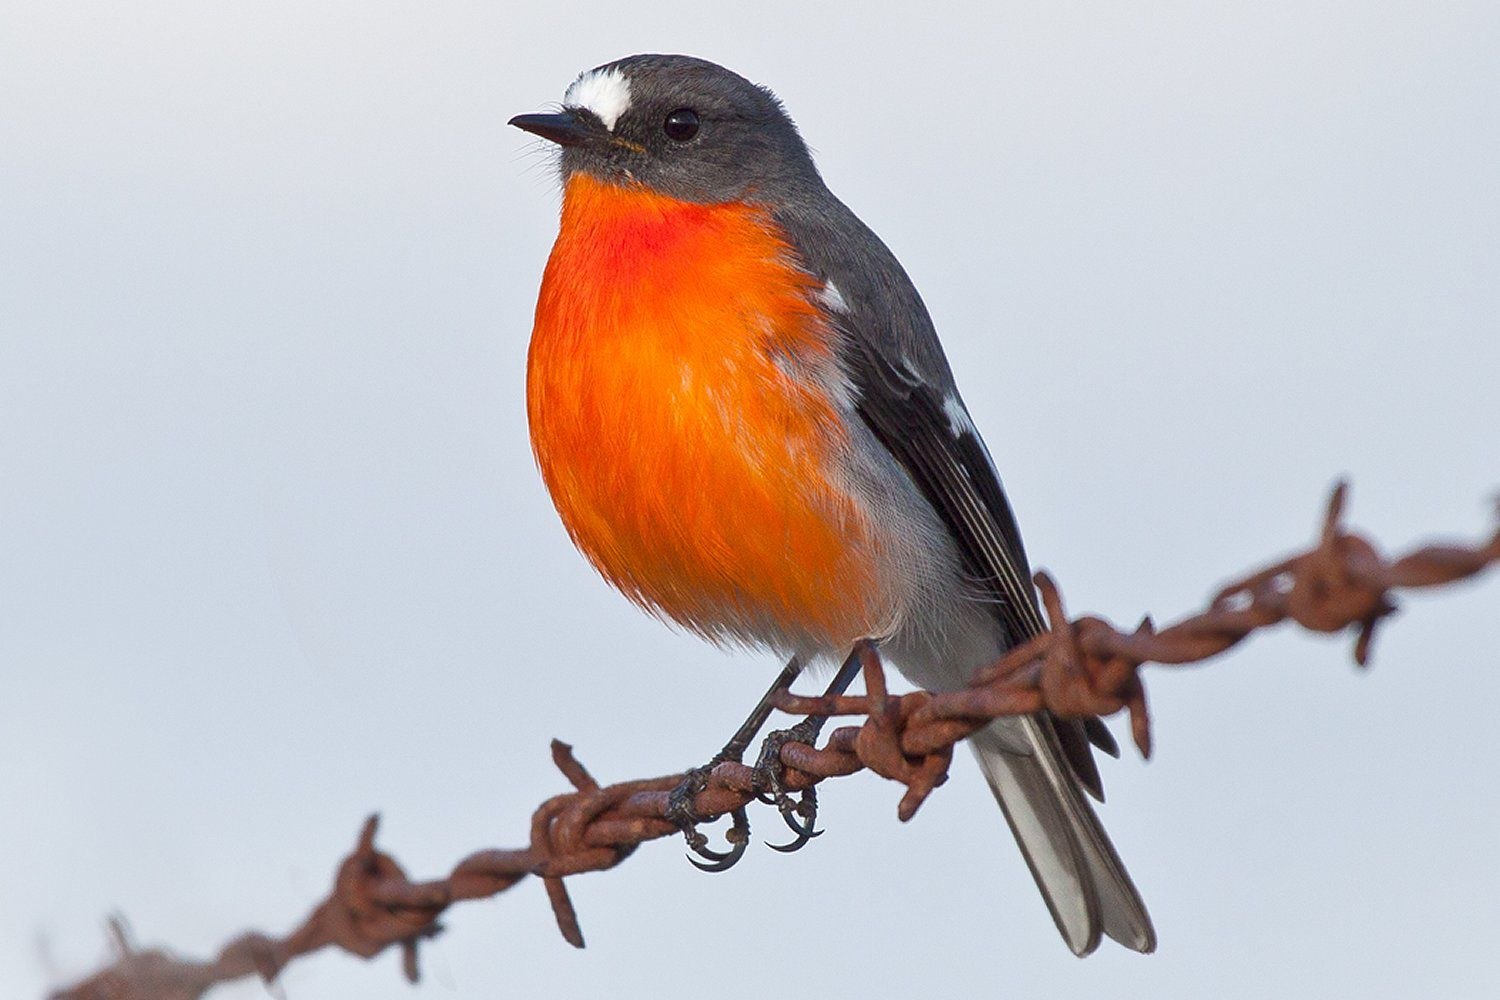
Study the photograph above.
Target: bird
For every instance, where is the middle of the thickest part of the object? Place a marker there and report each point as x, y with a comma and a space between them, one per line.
739, 405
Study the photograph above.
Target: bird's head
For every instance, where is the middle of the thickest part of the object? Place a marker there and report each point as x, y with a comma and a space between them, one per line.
681, 126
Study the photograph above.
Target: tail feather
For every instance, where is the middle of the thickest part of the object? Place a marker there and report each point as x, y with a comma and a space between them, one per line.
1080, 875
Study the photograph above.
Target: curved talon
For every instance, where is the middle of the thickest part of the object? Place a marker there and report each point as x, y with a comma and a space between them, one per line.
808, 829
801, 841
700, 847
728, 861
804, 832
721, 861
799, 814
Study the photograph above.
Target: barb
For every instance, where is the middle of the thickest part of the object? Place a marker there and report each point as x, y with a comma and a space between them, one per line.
1083, 666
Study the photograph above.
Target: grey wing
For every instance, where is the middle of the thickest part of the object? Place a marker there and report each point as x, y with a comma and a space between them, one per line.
1081, 877
905, 394
926, 427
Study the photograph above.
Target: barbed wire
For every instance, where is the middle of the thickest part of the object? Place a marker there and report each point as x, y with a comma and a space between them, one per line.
1079, 667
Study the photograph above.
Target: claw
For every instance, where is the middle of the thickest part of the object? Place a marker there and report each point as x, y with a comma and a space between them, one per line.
680, 812
804, 831
698, 844
801, 841
720, 866
799, 814
721, 861
807, 807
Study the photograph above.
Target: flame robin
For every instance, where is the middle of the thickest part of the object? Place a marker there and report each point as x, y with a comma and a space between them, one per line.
744, 417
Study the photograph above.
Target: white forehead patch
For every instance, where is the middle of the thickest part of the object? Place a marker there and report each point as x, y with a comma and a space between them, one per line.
605, 92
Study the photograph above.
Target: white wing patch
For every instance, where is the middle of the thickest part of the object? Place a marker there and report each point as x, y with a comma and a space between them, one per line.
959, 421
832, 299
605, 92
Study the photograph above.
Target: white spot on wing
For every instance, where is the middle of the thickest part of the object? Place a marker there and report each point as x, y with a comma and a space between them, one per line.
605, 92
959, 421
832, 299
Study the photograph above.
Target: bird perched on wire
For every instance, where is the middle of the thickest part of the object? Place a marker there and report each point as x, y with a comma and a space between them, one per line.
744, 417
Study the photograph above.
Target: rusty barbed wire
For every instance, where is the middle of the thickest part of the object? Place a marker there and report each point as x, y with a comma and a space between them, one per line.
1083, 666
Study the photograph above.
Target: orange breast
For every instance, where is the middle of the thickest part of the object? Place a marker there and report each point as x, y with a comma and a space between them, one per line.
680, 422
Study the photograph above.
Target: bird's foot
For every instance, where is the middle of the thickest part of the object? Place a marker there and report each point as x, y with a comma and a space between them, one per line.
799, 812
680, 812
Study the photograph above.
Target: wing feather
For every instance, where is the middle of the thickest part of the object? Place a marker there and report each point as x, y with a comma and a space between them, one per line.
904, 392
912, 421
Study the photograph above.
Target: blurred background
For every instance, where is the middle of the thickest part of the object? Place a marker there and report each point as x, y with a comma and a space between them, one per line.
273, 553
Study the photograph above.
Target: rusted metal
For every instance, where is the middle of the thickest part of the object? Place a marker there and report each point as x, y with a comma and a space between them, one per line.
1083, 666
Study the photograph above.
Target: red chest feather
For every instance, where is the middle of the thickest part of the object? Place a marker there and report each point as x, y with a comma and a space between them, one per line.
692, 456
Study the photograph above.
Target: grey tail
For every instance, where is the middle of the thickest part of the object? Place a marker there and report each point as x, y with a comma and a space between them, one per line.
1075, 866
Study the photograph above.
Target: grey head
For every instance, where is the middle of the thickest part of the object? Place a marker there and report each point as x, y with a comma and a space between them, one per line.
685, 127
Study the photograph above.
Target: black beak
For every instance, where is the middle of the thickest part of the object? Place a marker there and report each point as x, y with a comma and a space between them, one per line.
565, 129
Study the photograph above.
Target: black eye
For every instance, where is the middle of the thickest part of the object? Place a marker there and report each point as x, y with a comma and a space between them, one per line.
681, 125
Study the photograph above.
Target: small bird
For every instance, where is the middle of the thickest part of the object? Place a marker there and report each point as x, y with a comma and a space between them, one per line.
740, 407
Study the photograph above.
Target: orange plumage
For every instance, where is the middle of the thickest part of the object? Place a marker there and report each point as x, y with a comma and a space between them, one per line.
679, 394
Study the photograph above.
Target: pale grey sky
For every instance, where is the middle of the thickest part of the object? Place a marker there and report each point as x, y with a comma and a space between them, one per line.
274, 552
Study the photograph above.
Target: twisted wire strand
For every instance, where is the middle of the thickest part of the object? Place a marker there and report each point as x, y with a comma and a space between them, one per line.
1083, 666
